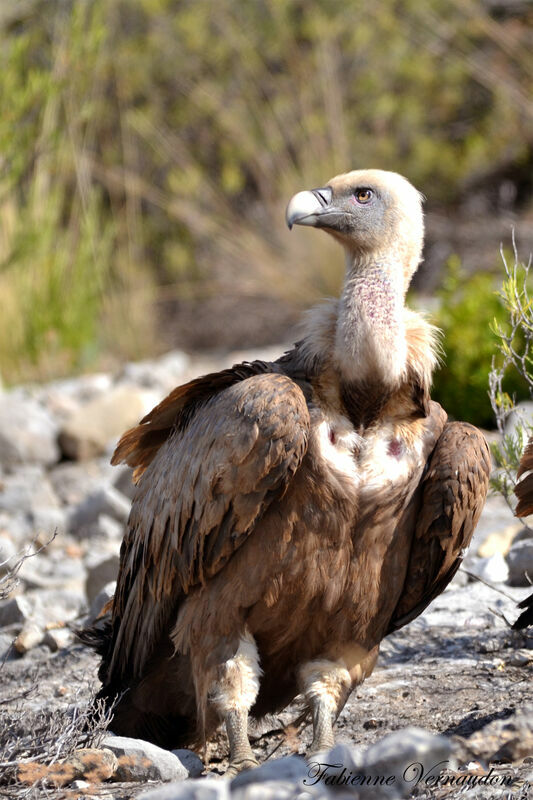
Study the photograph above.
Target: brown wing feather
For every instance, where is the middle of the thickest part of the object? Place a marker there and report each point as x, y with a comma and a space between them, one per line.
198, 501
453, 494
138, 446
524, 488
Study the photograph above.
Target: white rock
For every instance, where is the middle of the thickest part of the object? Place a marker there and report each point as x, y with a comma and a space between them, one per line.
53, 571
291, 768
7, 647
58, 638
30, 636
161, 375
145, 761
103, 527
8, 553
28, 433
192, 763
200, 789
493, 569
25, 490
103, 597
408, 758
48, 521
102, 568
122, 481
15, 610
520, 562
73, 482
106, 500
90, 429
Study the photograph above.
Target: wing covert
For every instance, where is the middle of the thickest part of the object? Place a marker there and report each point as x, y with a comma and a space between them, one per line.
198, 501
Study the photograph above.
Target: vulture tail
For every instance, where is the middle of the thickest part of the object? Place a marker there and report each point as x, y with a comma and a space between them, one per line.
526, 617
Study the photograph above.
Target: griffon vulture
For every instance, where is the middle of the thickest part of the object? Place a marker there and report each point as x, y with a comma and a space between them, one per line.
289, 515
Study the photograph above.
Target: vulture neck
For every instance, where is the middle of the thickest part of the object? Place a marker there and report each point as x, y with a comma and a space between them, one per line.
370, 336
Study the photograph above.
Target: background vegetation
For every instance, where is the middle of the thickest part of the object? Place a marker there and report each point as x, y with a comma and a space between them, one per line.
148, 147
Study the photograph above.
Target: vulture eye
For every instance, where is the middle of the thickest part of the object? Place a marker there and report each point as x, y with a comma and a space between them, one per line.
363, 196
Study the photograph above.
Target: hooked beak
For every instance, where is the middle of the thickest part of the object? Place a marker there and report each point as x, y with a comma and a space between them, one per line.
310, 208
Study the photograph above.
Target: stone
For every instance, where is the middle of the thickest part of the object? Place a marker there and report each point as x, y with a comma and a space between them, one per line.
8, 553
15, 610
28, 433
103, 527
89, 430
123, 481
289, 768
53, 571
58, 638
25, 490
413, 756
31, 635
520, 562
161, 375
73, 481
493, 569
47, 521
507, 740
102, 569
192, 763
141, 761
97, 605
200, 789
106, 500
7, 648
283, 790
55, 605
94, 764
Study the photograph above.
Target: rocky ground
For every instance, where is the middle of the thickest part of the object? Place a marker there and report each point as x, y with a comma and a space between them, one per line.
458, 671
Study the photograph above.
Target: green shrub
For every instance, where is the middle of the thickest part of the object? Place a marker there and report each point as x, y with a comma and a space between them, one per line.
469, 307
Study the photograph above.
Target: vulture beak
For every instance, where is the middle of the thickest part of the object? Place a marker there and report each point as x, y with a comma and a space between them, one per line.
312, 208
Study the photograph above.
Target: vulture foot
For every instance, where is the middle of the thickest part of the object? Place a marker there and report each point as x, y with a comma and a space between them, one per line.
241, 756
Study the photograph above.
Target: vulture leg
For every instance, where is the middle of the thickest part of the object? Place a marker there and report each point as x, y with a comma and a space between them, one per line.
233, 693
326, 686
241, 756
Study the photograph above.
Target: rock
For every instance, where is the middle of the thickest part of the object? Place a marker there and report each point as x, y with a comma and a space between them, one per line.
89, 430
290, 768
102, 569
522, 415
47, 521
97, 605
8, 553
103, 527
493, 569
202, 789
94, 764
55, 605
80, 785
28, 433
46, 571
500, 541
7, 648
106, 500
506, 740
123, 481
25, 490
30, 636
58, 638
413, 756
192, 763
15, 610
283, 790
140, 761
520, 562
161, 375
73, 482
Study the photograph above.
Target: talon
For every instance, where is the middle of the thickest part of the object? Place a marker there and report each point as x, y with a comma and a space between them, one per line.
240, 766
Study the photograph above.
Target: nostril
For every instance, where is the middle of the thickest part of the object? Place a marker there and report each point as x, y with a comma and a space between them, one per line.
323, 195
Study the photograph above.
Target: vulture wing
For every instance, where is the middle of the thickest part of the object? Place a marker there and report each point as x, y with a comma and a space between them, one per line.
524, 488
200, 497
526, 617
453, 493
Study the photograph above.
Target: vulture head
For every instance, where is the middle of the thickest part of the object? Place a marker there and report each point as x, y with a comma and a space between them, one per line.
376, 216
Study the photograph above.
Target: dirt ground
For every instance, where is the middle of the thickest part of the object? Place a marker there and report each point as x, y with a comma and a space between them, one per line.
453, 679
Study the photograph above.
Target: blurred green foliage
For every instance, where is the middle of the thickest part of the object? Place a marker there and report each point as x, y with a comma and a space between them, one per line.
147, 147
470, 306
